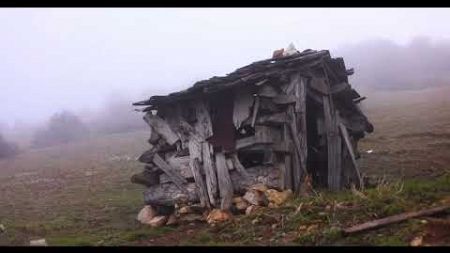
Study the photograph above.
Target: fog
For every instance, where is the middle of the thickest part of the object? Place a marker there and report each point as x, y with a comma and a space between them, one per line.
96, 62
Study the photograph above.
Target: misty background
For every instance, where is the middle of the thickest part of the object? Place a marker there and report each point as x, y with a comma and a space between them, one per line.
60, 66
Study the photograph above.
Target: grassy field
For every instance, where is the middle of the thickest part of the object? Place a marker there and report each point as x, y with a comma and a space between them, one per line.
80, 193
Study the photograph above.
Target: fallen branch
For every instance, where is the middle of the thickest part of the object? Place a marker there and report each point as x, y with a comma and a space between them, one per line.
394, 219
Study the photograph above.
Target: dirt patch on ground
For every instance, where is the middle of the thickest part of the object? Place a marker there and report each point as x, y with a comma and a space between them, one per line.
437, 232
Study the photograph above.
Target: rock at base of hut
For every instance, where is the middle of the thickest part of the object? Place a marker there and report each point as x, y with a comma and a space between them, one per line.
158, 221
146, 214
252, 209
217, 216
39, 242
2, 228
277, 197
172, 220
256, 197
240, 203
259, 187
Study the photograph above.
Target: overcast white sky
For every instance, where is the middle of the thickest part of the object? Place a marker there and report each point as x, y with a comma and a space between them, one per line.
75, 59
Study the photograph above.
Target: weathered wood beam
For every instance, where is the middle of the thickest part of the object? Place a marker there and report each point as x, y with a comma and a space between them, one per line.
162, 128
287, 173
272, 119
200, 183
394, 219
333, 144
172, 173
255, 111
225, 184
350, 150
210, 172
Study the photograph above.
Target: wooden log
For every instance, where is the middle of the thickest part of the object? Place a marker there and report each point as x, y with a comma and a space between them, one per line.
172, 173
351, 152
162, 128
394, 219
168, 194
225, 184
255, 111
210, 172
146, 178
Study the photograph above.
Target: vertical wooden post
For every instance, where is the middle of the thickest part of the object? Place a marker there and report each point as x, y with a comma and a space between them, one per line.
333, 144
225, 184
210, 172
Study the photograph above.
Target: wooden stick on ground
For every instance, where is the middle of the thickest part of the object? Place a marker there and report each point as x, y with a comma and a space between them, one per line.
394, 219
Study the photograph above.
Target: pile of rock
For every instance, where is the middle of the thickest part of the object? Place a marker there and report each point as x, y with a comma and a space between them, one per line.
254, 198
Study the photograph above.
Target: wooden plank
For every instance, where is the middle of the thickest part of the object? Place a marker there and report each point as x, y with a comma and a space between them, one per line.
210, 172
267, 91
203, 126
225, 184
173, 174
334, 172
200, 183
394, 219
350, 150
300, 109
296, 161
263, 135
287, 176
255, 111
320, 85
339, 87
162, 128
243, 101
272, 119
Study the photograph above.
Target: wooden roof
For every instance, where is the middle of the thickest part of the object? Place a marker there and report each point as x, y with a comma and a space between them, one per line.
250, 74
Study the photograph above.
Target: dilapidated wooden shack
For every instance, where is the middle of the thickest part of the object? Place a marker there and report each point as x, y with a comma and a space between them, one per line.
275, 122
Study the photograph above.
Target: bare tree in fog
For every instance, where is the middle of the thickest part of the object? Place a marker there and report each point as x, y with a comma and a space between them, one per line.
116, 116
62, 127
7, 149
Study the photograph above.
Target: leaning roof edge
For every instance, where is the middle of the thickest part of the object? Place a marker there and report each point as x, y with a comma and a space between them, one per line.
239, 74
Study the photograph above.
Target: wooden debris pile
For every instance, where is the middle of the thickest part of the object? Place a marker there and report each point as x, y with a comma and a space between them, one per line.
273, 122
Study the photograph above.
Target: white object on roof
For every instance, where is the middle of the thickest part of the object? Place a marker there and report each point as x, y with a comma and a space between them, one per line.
290, 50
369, 151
